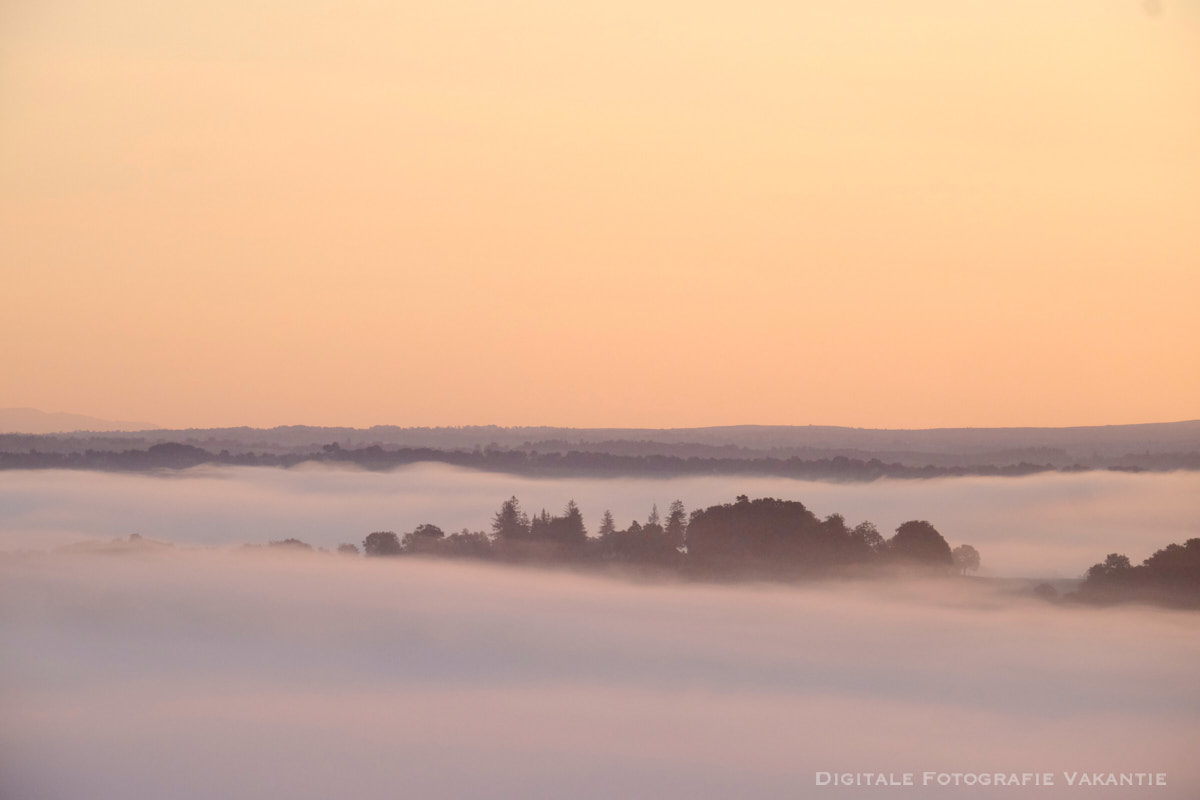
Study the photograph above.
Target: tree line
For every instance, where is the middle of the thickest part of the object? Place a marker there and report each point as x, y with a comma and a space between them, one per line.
762, 538
1170, 577
765, 537
175, 455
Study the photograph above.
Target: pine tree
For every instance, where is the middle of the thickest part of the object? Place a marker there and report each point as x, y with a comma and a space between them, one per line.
608, 525
539, 526
573, 529
510, 521
676, 524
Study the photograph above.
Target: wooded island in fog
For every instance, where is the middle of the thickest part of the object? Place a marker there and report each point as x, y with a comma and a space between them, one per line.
764, 538
761, 539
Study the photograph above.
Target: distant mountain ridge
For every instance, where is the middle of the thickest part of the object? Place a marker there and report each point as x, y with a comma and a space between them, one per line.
31, 420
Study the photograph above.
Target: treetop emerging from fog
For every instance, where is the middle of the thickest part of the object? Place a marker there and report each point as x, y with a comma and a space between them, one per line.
764, 537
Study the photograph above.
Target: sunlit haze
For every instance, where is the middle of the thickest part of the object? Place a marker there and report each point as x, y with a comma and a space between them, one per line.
601, 213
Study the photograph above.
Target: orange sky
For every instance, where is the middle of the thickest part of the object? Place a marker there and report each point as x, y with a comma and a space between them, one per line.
602, 212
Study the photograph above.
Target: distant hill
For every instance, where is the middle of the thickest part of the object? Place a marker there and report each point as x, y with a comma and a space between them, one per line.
1173, 445
30, 420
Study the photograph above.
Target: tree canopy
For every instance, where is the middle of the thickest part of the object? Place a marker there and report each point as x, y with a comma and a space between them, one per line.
966, 559
382, 543
764, 537
1171, 576
917, 541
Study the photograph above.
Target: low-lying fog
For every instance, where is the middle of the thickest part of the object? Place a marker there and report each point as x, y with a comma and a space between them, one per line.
202, 674
1053, 525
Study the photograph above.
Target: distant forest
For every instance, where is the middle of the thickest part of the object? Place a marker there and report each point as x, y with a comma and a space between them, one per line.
176, 455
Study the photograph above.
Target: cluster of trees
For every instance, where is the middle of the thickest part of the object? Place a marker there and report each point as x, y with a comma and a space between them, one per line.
782, 536
1169, 577
765, 537
426, 540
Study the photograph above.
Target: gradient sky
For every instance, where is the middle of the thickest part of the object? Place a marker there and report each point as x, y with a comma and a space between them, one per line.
602, 212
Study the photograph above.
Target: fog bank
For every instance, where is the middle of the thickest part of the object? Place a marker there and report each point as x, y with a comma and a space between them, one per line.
1041, 525
235, 675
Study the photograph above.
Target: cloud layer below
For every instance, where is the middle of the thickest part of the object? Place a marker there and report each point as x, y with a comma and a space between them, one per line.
253, 675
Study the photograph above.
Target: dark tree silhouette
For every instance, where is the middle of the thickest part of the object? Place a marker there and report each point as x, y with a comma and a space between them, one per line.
918, 541
466, 544
425, 538
565, 531
654, 544
966, 559
539, 525
608, 525
510, 522
1114, 567
771, 537
763, 538
1169, 577
869, 537
569, 528
348, 549
176, 455
676, 528
1176, 562
382, 543
291, 544
636, 544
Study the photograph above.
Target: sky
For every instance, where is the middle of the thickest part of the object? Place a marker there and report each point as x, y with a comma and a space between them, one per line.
601, 213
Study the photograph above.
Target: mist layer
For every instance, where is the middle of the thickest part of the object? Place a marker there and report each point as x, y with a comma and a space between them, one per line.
199, 675
1042, 525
